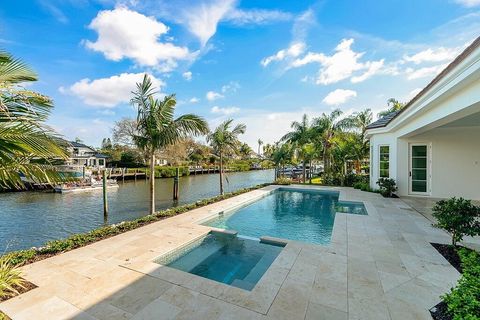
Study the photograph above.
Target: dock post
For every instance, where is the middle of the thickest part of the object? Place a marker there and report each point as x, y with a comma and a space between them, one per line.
105, 200
175, 184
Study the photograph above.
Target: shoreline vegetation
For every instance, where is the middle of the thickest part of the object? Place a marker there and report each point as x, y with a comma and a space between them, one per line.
55, 247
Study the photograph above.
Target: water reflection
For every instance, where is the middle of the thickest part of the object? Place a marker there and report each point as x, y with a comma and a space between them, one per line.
31, 218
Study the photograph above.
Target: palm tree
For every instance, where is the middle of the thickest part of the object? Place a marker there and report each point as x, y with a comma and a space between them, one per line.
24, 136
157, 128
245, 151
225, 140
282, 155
260, 142
393, 106
300, 136
359, 122
325, 128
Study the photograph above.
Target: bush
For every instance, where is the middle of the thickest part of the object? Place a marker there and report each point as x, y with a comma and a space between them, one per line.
283, 181
457, 216
10, 278
387, 186
463, 301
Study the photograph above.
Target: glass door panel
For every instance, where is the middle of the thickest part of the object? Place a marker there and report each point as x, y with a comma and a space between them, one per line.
419, 168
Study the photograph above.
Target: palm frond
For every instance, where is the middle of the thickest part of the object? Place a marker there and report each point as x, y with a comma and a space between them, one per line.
14, 70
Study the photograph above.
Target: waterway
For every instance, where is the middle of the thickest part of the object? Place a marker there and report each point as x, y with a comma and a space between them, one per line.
29, 219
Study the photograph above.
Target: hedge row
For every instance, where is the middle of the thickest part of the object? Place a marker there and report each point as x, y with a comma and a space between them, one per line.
51, 248
463, 301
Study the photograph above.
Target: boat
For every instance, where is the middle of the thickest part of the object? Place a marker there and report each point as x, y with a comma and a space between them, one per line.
92, 185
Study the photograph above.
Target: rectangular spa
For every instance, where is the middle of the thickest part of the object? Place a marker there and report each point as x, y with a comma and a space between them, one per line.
295, 214
225, 258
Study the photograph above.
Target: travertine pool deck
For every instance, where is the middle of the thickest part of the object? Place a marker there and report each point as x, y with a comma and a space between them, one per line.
379, 266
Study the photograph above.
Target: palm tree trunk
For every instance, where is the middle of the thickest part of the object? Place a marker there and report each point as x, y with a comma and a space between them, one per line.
221, 174
152, 182
304, 170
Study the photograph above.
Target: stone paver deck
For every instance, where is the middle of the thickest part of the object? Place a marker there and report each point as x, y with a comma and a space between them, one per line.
379, 266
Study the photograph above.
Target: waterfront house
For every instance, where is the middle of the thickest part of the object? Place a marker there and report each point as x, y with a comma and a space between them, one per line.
431, 147
83, 155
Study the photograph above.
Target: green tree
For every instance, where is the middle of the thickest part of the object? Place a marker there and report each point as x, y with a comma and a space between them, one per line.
245, 151
393, 105
325, 128
282, 155
224, 140
24, 136
157, 128
300, 136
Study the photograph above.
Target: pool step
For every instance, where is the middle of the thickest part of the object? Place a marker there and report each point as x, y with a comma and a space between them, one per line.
195, 257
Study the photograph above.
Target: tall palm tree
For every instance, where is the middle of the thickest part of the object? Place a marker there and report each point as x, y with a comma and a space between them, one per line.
224, 140
300, 136
245, 151
24, 136
359, 122
260, 143
157, 128
282, 155
393, 106
325, 128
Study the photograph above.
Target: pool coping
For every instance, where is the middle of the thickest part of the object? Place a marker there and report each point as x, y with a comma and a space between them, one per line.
261, 297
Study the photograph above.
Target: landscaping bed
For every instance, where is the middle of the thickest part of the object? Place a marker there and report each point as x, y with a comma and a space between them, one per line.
463, 301
27, 286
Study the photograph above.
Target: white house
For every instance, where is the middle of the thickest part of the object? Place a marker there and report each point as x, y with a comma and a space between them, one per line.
432, 146
82, 155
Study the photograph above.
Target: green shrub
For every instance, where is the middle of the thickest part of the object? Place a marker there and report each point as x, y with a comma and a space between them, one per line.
283, 181
387, 186
463, 301
10, 278
457, 216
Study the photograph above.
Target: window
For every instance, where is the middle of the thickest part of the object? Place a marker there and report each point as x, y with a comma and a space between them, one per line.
100, 162
384, 161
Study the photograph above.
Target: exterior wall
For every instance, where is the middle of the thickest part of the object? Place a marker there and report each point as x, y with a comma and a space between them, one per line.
455, 162
454, 156
376, 141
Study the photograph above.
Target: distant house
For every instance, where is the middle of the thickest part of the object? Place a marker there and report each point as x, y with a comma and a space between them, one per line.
431, 147
83, 155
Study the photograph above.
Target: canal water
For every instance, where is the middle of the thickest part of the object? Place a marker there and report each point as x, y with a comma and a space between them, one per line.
30, 219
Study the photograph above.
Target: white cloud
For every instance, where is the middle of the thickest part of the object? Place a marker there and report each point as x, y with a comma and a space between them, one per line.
212, 95
433, 55
194, 100
339, 96
424, 72
293, 51
256, 16
108, 92
232, 86
187, 75
468, 3
343, 64
202, 20
373, 67
123, 33
224, 111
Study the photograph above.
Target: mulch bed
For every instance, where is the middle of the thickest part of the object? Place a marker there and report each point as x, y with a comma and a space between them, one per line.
27, 287
440, 311
450, 254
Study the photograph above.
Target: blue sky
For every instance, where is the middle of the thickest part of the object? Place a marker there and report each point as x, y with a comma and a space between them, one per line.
263, 63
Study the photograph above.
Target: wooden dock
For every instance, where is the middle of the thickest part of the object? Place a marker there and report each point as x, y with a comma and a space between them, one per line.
122, 173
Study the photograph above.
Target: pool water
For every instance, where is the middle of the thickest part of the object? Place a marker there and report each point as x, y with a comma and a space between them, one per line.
302, 215
232, 260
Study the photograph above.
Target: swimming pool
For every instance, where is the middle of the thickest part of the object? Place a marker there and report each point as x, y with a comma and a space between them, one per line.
229, 259
295, 214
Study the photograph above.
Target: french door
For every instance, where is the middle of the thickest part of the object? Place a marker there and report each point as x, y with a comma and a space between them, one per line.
419, 169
